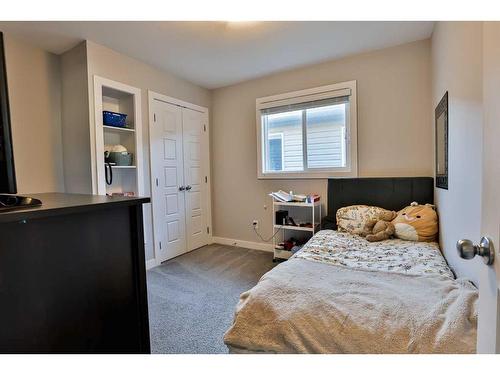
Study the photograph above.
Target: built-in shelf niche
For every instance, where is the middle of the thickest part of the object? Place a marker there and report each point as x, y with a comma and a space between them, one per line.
124, 180
118, 101
117, 97
125, 139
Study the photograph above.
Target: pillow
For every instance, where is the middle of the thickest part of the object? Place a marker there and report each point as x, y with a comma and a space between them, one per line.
417, 222
359, 219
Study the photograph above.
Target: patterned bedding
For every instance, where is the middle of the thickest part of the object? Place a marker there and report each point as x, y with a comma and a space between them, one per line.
352, 251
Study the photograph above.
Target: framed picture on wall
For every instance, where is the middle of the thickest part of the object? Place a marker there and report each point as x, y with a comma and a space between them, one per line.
441, 124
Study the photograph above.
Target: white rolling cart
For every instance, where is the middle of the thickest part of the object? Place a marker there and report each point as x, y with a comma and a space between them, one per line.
305, 212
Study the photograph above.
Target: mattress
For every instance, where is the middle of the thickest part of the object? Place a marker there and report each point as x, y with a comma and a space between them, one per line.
343, 294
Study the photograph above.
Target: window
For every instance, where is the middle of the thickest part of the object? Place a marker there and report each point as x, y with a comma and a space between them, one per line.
309, 133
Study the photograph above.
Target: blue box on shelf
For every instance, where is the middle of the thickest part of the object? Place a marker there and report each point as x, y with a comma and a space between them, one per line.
114, 119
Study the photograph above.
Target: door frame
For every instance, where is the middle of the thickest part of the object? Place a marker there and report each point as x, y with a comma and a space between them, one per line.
152, 96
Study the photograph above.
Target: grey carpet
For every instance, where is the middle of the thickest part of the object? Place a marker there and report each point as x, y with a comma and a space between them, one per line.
192, 297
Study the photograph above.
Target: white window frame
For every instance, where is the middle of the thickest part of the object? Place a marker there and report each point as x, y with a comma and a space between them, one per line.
303, 96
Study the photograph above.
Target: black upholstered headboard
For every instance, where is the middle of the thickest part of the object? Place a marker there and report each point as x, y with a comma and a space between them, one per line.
392, 193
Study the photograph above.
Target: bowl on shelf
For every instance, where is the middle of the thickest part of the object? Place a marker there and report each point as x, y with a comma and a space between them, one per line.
114, 119
117, 155
121, 159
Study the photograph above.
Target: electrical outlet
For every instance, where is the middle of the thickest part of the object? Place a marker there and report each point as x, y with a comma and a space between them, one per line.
255, 224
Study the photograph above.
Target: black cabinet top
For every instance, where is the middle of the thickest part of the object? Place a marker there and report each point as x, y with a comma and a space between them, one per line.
62, 204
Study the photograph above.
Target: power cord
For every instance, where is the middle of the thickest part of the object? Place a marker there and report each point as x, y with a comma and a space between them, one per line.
270, 238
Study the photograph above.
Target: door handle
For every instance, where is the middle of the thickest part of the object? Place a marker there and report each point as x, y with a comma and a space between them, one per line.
468, 250
188, 187
182, 188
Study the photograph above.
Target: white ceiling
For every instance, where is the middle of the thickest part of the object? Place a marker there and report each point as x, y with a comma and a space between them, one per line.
216, 54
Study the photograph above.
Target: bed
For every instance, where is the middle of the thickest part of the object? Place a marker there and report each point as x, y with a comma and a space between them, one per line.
343, 294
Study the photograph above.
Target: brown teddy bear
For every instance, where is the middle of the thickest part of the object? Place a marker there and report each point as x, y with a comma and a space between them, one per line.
381, 229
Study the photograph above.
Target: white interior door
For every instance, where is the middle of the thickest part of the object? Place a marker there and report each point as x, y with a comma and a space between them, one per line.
489, 311
167, 174
195, 155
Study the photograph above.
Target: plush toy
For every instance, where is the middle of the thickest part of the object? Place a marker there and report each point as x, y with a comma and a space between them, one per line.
381, 229
417, 223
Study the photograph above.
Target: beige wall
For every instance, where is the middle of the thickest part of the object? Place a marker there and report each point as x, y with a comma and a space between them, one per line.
394, 130
35, 105
457, 68
110, 64
75, 121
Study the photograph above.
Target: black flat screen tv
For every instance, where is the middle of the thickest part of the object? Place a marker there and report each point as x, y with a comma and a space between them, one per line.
8, 185
7, 171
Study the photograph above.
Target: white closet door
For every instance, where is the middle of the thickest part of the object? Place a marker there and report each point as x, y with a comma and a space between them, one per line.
195, 150
168, 178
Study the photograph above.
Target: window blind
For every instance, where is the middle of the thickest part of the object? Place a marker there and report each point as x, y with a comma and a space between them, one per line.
305, 101
306, 105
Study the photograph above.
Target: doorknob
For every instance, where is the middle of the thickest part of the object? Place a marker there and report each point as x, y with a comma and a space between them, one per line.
188, 187
468, 250
182, 188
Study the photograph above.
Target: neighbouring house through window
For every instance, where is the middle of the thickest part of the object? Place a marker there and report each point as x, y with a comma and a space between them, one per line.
276, 157
309, 133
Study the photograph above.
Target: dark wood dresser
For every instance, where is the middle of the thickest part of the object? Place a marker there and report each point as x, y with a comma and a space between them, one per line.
72, 276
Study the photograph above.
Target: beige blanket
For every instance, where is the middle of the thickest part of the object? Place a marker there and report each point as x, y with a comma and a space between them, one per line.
302, 306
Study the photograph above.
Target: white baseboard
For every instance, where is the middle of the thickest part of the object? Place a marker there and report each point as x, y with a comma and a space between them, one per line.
151, 263
244, 244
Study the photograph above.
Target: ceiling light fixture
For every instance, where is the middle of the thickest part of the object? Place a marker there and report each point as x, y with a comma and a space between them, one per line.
241, 24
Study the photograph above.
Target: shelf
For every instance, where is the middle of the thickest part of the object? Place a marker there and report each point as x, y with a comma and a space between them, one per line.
292, 227
297, 204
117, 129
123, 167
